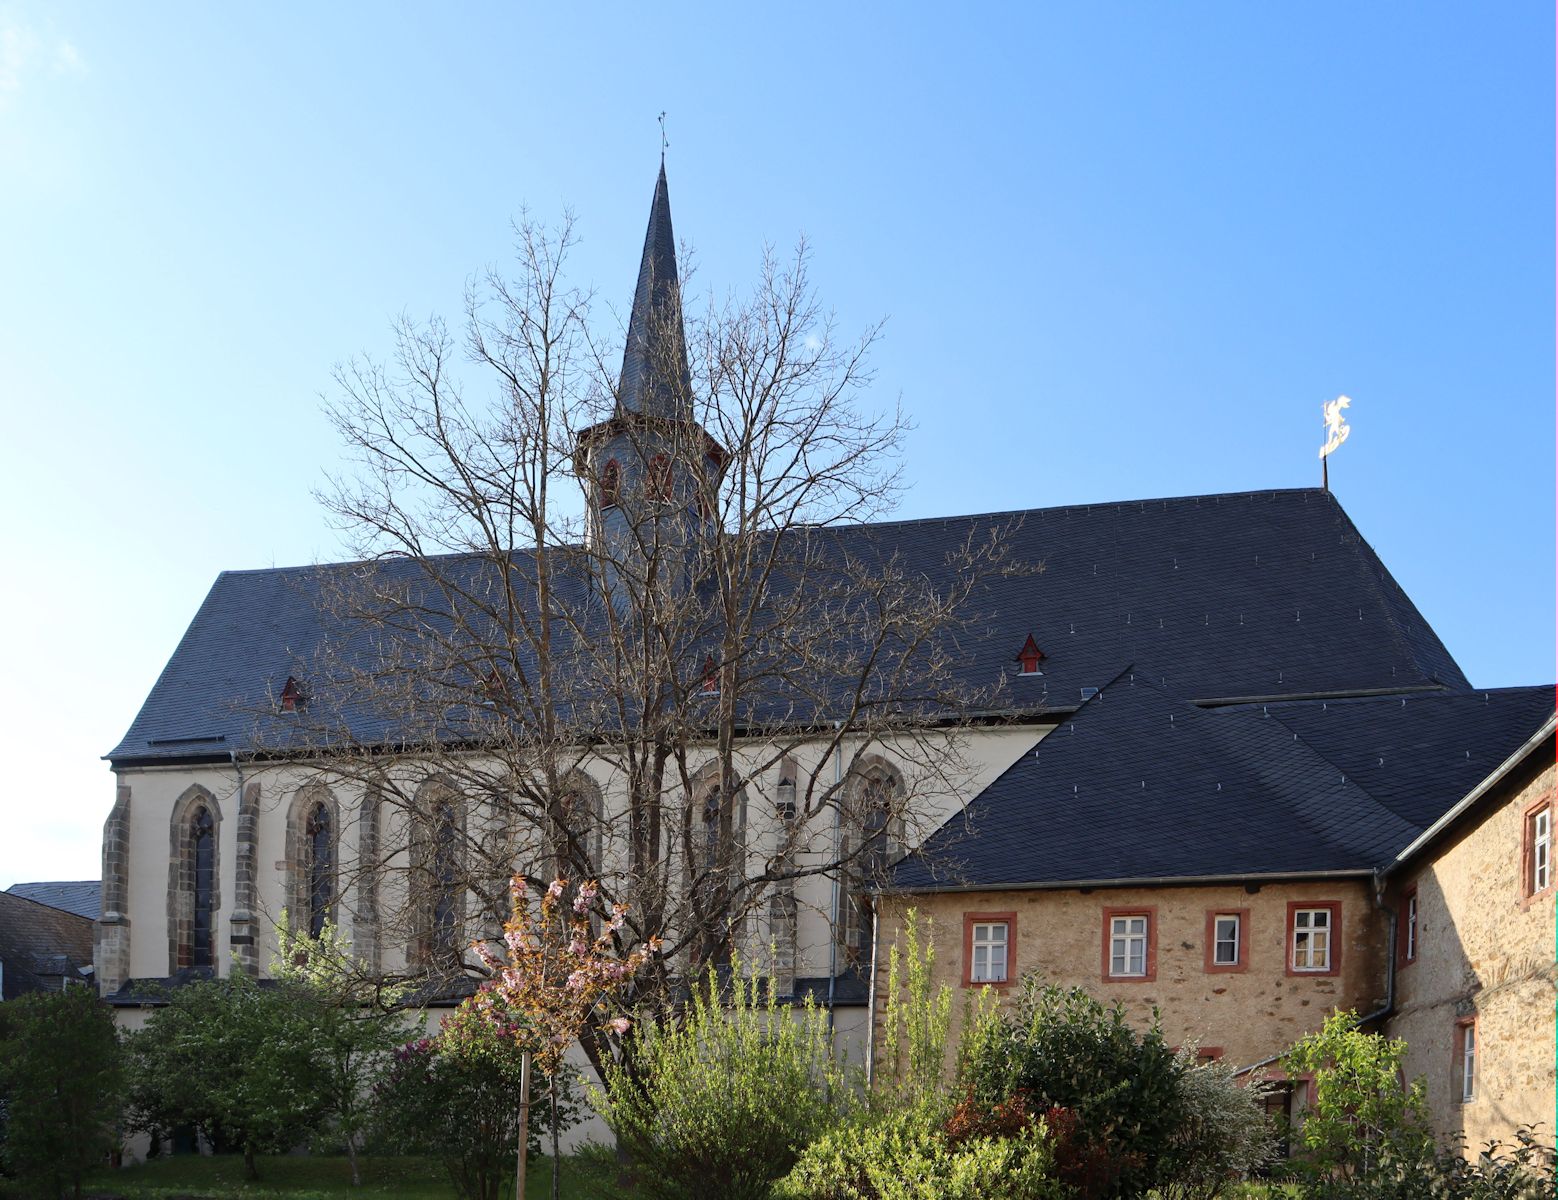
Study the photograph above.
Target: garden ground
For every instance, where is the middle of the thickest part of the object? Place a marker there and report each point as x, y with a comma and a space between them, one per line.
312, 1177
299, 1177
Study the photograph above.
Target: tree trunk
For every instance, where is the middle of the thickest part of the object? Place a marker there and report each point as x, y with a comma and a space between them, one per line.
551, 1094
249, 1169
524, 1124
351, 1154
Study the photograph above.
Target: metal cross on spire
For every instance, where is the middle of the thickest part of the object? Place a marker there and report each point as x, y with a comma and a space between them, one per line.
663, 143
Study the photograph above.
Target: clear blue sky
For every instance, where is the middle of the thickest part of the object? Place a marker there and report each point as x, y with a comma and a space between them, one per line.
1124, 250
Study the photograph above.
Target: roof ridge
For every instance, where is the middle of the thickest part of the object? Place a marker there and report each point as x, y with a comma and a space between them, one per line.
1056, 508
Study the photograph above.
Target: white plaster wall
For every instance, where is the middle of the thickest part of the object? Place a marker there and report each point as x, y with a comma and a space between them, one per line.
154, 791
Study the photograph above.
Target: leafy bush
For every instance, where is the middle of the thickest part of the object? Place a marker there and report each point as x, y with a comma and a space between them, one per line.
722, 1104
60, 1076
1224, 1134
456, 1097
1418, 1169
356, 1022
1063, 1049
235, 1060
911, 1064
904, 1155
1361, 1120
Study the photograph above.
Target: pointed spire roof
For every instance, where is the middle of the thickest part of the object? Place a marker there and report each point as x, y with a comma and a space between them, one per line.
655, 379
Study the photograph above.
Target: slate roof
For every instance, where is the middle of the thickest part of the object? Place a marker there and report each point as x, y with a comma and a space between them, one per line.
41, 946
1140, 786
84, 897
656, 315
1244, 595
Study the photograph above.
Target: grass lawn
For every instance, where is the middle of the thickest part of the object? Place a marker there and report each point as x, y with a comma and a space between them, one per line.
301, 1177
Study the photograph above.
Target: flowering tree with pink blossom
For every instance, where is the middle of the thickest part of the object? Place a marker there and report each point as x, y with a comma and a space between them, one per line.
556, 982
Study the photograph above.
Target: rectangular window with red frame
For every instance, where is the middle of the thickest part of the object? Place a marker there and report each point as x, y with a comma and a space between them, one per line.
1536, 865
989, 949
1407, 928
1466, 1051
1130, 952
1314, 937
1227, 940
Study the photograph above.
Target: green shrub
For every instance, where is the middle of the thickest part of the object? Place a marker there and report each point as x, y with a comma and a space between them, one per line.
721, 1104
60, 1077
457, 1098
236, 1061
1224, 1135
1361, 1121
906, 1155
1419, 1169
1062, 1049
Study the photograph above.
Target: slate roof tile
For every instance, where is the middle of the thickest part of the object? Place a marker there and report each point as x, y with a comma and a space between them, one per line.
1243, 595
1140, 785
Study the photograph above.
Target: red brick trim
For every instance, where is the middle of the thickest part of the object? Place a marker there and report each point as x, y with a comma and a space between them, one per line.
1211, 965
1527, 848
1334, 942
1405, 919
1458, 1084
970, 919
1150, 911
1209, 1053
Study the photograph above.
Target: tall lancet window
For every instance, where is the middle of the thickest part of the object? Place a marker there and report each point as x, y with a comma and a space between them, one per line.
321, 868
202, 847
711, 838
874, 804
445, 868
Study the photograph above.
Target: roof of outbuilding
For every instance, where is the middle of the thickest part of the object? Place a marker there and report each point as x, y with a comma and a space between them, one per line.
84, 897
1232, 596
1140, 786
42, 941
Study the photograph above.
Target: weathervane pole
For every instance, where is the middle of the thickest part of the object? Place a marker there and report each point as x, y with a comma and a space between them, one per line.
1336, 430
663, 142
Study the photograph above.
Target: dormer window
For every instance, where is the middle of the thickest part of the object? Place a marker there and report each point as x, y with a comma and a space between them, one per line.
610, 483
1029, 658
493, 688
293, 697
659, 477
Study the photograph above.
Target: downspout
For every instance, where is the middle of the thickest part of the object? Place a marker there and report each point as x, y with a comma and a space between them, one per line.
833, 924
1383, 1010
871, 998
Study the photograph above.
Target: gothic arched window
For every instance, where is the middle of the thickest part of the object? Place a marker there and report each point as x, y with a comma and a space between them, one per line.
711, 830
659, 477
610, 483
202, 858
445, 872
320, 849
873, 806
577, 837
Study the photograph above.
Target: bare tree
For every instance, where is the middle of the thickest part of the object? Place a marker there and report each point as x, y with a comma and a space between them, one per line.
705, 683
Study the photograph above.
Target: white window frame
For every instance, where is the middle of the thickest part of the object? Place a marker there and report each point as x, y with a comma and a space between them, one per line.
1541, 849
1123, 939
1411, 946
1304, 923
1468, 1062
984, 939
1218, 941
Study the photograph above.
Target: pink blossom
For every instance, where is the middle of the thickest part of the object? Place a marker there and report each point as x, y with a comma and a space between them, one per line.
556, 888
619, 1025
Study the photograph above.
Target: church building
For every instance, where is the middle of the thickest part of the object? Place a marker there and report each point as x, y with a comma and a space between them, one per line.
1227, 770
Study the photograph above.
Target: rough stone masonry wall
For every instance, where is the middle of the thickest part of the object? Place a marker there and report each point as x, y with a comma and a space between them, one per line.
1247, 1015
1485, 950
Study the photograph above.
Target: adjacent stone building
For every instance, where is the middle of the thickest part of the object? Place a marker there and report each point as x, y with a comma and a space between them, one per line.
1247, 869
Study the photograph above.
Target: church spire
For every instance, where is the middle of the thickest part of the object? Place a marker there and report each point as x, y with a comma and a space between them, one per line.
655, 379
